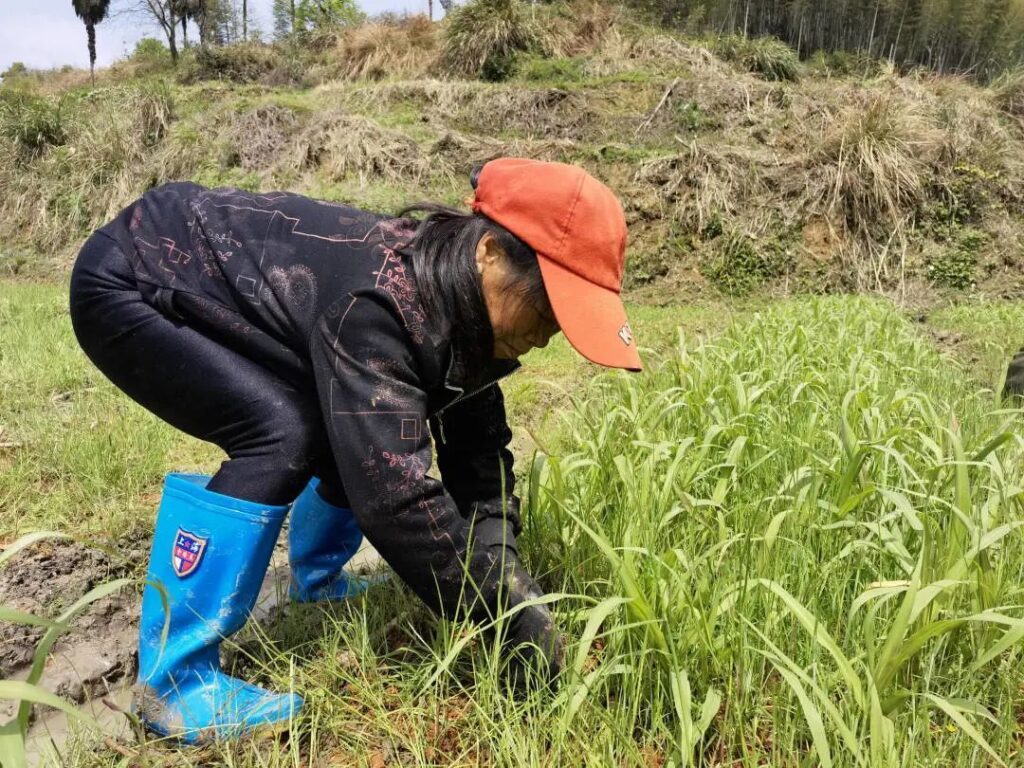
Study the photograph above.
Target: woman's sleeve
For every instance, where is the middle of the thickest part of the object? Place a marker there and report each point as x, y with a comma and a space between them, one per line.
471, 439
375, 410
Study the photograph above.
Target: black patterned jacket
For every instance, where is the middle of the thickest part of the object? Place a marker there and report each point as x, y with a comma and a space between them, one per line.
321, 294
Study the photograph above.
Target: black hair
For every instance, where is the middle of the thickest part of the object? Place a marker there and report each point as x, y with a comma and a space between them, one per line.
443, 253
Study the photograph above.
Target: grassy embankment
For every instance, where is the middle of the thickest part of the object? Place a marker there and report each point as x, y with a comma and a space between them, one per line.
739, 166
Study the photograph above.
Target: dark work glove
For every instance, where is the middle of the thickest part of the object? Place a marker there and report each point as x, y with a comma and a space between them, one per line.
531, 638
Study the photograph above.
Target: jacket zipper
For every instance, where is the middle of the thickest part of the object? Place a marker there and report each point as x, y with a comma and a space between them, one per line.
464, 395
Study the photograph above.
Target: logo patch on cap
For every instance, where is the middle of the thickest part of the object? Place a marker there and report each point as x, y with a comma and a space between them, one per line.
626, 334
188, 552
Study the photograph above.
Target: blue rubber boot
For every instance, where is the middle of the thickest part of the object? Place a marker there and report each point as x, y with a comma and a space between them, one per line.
321, 539
210, 553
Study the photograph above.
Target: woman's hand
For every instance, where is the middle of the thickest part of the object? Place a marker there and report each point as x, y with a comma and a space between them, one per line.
537, 646
532, 638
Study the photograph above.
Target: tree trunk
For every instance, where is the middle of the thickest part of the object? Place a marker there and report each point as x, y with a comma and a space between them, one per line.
90, 30
184, 31
293, 17
245, 19
430, 9
172, 42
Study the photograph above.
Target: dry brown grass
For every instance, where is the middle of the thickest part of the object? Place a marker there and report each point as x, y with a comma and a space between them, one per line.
338, 144
462, 152
710, 181
875, 157
258, 138
971, 132
407, 49
483, 32
1009, 93
482, 108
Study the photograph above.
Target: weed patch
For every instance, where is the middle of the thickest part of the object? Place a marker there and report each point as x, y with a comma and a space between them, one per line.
766, 56
740, 263
32, 123
955, 266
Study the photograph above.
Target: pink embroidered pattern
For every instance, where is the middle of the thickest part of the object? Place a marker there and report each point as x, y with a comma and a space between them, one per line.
413, 468
395, 281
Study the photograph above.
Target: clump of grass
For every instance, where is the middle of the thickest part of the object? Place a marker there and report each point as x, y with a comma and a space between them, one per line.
339, 144
955, 265
401, 48
1008, 90
486, 35
259, 136
973, 133
876, 164
710, 179
766, 56
32, 123
844, 64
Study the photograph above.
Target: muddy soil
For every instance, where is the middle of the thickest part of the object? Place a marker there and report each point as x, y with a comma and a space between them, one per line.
99, 651
98, 654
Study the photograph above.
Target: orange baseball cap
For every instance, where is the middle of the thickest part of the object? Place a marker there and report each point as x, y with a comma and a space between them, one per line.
578, 230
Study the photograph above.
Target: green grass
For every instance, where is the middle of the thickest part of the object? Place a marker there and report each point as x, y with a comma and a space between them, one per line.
84, 459
794, 541
813, 519
79, 456
987, 334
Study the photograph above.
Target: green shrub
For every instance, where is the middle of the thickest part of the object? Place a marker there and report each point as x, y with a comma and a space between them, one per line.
15, 71
767, 56
486, 34
155, 112
962, 199
691, 117
32, 122
499, 67
740, 263
150, 56
714, 226
560, 69
955, 265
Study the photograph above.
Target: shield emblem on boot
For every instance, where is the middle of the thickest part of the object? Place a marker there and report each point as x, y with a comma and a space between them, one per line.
188, 552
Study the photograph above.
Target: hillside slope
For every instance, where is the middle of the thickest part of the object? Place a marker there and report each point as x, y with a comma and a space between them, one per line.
862, 181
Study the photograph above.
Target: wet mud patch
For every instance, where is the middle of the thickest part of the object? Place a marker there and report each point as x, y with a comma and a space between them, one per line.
99, 648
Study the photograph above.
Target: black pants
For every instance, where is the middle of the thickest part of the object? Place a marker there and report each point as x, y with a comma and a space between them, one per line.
271, 431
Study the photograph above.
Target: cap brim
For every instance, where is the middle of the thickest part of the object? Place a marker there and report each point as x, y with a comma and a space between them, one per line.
592, 317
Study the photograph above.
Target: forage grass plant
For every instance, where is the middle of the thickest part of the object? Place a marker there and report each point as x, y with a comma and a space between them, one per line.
800, 539
799, 542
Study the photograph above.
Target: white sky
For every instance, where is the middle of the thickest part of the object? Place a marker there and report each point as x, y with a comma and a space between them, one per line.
46, 33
